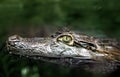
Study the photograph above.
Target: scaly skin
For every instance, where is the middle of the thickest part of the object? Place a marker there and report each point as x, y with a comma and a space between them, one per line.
68, 47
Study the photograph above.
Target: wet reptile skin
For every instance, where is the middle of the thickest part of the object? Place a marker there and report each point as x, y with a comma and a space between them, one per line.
68, 47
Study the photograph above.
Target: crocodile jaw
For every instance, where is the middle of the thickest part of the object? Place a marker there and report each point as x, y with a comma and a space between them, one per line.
47, 47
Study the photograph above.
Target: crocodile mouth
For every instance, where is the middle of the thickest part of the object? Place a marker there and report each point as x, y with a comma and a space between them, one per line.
64, 60
59, 58
48, 49
14, 51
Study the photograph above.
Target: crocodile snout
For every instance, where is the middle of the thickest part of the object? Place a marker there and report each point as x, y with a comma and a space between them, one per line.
12, 41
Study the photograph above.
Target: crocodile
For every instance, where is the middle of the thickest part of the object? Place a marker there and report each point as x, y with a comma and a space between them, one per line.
69, 48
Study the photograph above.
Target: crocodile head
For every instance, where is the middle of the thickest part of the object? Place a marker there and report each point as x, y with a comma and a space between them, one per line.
65, 47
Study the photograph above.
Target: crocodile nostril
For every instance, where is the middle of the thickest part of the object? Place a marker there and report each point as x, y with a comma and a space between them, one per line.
14, 38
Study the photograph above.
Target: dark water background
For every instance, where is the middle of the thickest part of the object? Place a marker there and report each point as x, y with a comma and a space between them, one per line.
30, 18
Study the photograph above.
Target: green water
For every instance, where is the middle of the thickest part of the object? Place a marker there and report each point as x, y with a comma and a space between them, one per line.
32, 18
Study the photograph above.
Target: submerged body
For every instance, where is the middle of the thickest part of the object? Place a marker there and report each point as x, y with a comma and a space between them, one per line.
67, 47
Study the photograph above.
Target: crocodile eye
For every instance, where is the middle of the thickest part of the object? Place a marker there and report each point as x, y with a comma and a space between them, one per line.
66, 39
